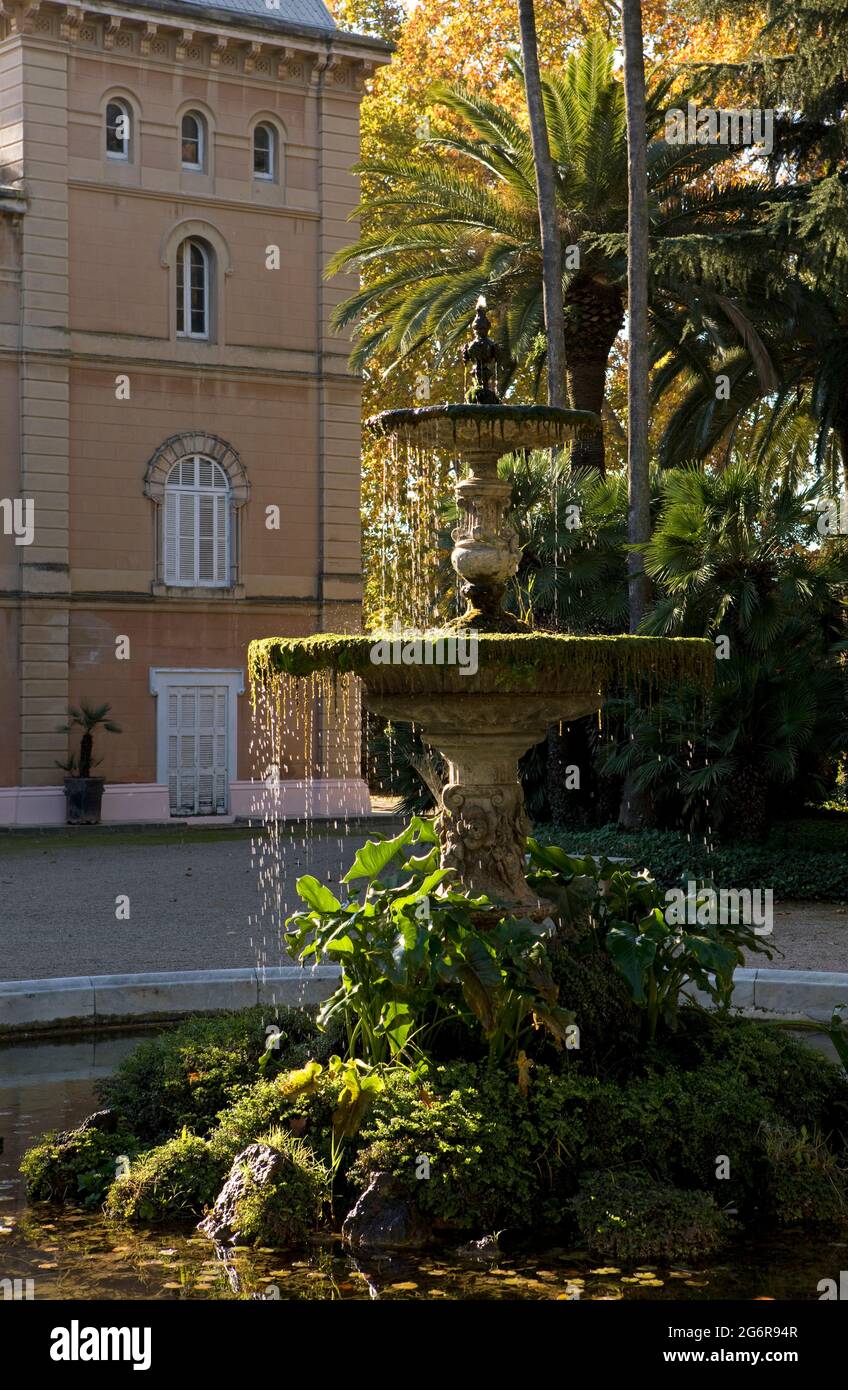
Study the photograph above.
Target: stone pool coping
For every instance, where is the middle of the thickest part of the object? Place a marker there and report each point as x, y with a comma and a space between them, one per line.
85, 1002
82, 1003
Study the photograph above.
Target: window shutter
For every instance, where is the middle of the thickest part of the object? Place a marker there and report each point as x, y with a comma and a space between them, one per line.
186, 567
221, 782
198, 781
172, 500
222, 514
173, 750
196, 528
206, 540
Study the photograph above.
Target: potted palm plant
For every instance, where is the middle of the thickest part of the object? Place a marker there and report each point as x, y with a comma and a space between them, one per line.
84, 793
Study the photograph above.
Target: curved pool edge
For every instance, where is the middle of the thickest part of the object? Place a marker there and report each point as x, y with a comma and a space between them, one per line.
85, 1003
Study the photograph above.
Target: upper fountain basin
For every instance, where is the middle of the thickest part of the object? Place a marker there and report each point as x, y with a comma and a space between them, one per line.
538, 663
484, 430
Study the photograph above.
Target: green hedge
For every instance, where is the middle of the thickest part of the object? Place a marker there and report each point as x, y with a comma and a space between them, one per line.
803, 859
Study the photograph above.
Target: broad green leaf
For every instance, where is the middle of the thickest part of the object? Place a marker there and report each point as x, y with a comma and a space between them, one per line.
375, 856
316, 894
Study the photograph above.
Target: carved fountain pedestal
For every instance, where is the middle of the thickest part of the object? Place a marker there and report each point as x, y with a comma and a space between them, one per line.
482, 824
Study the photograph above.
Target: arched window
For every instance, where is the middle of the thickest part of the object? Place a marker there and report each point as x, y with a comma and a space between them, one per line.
196, 530
264, 151
194, 282
193, 138
118, 130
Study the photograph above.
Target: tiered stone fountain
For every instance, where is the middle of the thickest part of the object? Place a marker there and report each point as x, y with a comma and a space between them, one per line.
526, 680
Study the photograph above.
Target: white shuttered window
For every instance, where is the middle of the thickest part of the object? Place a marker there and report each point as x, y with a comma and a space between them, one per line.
196, 527
198, 780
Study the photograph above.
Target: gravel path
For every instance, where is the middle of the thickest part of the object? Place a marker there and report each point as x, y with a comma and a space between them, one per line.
812, 936
192, 906
197, 904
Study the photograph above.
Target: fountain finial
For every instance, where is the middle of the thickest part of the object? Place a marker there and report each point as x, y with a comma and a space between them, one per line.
483, 354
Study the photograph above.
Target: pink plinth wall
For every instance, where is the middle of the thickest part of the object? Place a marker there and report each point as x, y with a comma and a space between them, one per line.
330, 796
148, 801
122, 801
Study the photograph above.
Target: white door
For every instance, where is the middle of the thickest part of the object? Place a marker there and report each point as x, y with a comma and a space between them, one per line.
198, 763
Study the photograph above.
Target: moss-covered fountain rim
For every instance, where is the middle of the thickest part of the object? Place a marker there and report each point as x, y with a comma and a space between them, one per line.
410, 417
589, 662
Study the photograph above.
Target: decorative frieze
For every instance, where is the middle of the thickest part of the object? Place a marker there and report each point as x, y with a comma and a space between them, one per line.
166, 39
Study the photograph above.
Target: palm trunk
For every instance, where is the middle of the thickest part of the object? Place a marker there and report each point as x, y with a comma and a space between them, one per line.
594, 313
633, 807
639, 507
546, 193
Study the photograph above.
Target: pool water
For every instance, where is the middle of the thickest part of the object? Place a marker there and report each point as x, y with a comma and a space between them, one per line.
61, 1254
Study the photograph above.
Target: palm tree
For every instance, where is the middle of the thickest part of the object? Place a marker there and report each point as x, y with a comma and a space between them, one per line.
89, 718
639, 510
460, 218
736, 556
546, 193
792, 359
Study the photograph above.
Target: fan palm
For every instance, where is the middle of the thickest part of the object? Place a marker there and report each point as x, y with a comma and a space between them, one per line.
801, 327
459, 219
739, 557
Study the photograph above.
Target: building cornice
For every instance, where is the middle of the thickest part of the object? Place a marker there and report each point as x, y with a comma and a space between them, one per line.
12, 200
204, 35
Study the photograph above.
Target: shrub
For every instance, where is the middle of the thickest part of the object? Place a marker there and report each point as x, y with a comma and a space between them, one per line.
185, 1076
418, 955
805, 859
628, 1217
805, 1182
605, 906
173, 1182
496, 1153
267, 1105
77, 1166
609, 1021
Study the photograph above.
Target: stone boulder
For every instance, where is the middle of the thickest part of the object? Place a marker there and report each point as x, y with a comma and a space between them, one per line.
384, 1218
273, 1196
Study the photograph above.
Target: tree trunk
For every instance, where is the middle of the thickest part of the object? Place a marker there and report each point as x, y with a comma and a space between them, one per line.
594, 313
633, 806
639, 505
546, 193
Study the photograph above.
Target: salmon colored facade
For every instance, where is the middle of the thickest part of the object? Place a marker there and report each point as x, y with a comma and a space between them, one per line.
179, 430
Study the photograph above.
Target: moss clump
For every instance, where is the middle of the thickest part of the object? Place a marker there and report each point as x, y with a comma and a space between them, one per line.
627, 1217
805, 1181
508, 662
275, 1195
77, 1166
184, 1077
174, 1182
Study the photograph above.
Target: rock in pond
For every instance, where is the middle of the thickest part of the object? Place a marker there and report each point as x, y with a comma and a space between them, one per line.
384, 1218
272, 1196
